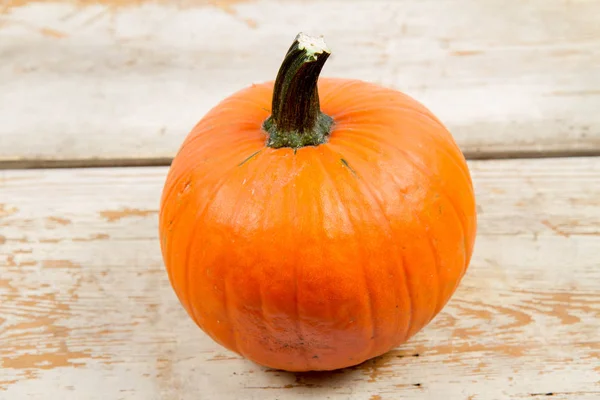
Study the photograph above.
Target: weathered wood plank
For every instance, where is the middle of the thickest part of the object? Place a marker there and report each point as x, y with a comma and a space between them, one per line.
86, 310
123, 81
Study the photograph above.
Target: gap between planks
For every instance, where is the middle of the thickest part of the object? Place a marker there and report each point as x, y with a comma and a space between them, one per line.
166, 161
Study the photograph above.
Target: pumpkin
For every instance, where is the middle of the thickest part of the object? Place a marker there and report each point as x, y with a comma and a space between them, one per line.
314, 223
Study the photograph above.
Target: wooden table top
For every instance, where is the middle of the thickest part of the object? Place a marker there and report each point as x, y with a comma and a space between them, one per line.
107, 90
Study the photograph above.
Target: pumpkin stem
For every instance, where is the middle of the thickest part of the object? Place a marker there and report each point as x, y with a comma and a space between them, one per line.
296, 119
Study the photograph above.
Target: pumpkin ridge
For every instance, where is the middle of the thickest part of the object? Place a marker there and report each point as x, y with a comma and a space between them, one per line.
227, 305
373, 93
414, 213
454, 155
439, 300
298, 321
365, 108
442, 149
371, 308
422, 112
262, 288
411, 301
250, 176
297, 324
377, 200
461, 217
192, 239
334, 190
178, 178
380, 139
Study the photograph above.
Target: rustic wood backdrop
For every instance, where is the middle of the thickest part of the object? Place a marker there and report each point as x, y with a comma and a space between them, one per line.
86, 310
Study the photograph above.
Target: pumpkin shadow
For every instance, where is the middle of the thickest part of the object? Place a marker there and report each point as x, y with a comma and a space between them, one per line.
371, 371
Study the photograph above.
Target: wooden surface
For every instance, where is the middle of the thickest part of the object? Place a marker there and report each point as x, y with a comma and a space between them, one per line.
123, 81
88, 313
86, 309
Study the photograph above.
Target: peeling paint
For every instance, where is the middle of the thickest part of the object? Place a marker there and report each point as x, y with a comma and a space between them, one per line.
225, 5
97, 236
6, 210
50, 240
52, 33
44, 312
466, 53
116, 215
59, 220
59, 264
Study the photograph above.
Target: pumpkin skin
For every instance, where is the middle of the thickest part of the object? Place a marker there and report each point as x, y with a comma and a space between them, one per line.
326, 256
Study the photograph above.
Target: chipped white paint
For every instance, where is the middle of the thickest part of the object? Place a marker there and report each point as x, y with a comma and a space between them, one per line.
86, 310
115, 82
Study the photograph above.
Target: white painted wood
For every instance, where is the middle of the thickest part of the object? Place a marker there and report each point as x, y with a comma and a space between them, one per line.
127, 79
86, 310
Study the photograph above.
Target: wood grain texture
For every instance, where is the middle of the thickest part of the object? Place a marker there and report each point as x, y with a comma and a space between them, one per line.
87, 312
123, 81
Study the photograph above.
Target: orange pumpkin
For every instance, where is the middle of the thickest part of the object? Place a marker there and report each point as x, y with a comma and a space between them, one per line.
312, 224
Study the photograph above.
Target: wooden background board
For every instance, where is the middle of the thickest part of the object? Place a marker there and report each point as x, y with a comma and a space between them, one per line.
123, 81
88, 313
